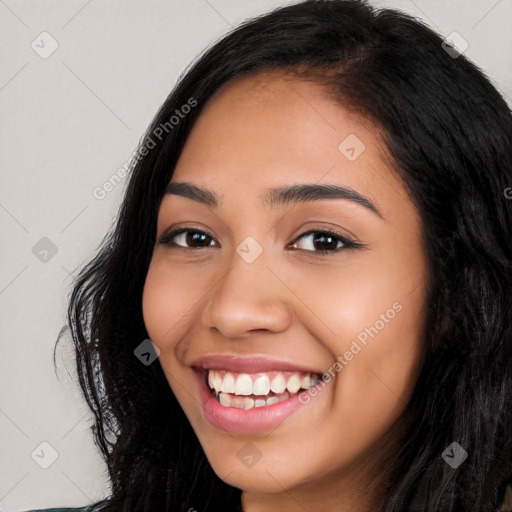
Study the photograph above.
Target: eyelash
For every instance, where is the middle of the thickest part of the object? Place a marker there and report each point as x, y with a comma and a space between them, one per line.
348, 243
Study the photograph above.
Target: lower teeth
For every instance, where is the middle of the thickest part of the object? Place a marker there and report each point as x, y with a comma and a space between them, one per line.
248, 402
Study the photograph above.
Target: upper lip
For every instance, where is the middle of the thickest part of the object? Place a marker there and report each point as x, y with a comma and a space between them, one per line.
248, 364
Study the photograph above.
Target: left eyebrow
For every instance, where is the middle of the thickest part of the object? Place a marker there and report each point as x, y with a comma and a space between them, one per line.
278, 196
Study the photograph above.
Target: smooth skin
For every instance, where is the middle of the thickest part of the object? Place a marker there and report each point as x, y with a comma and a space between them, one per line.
294, 302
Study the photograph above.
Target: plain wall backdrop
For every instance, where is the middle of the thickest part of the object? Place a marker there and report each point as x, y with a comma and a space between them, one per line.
80, 80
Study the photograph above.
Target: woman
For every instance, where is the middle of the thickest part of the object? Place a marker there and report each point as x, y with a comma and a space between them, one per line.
305, 302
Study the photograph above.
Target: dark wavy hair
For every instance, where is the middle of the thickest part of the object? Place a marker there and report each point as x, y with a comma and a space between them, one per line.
449, 134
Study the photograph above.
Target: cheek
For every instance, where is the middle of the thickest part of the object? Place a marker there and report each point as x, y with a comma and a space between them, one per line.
165, 301
379, 337
371, 317
346, 299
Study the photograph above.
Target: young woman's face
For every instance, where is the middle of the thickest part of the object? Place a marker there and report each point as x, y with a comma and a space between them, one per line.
249, 276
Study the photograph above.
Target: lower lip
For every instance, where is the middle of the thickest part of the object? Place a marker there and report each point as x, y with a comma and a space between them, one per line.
249, 421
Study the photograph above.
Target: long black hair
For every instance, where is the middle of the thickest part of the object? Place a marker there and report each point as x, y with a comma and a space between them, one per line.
449, 134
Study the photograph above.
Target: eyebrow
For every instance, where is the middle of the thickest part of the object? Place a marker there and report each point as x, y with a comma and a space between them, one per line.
278, 196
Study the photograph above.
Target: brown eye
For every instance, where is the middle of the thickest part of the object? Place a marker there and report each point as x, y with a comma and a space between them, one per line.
187, 239
325, 242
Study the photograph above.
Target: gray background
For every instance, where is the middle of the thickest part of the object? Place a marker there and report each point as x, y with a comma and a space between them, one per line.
68, 122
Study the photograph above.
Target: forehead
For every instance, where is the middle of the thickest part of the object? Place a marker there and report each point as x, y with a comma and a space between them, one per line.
273, 130
276, 100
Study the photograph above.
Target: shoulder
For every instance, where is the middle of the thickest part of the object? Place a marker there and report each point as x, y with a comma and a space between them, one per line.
95, 507
66, 509
83, 509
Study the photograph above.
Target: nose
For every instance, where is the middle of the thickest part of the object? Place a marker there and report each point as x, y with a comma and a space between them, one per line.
248, 298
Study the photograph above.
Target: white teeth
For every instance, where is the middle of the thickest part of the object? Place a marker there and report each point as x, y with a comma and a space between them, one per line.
278, 384
248, 403
261, 386
228, 384
293, 384
245, 402
224, 400
217, 382
243, 384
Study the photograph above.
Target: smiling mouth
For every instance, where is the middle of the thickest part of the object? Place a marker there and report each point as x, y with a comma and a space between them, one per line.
248, 390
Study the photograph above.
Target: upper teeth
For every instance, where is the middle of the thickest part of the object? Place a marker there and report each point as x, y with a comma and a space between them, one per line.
259, 383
